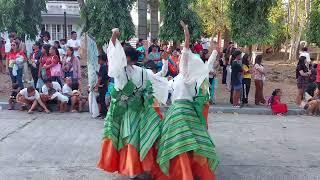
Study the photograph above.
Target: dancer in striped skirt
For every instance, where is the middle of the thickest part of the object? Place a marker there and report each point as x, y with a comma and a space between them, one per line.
186, 151
132, 125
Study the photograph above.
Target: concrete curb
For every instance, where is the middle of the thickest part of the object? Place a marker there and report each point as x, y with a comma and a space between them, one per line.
255, 110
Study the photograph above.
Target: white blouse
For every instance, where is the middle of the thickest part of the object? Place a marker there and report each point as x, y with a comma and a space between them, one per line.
193, 71
121, 72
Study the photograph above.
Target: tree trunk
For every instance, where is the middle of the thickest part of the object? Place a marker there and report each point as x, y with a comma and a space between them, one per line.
154, 10
142, 24
219, 41
294, 32
226, 37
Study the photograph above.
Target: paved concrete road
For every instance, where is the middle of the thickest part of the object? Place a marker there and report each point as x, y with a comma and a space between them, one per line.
66, 146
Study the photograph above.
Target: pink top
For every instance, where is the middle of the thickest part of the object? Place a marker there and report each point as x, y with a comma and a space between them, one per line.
258, 72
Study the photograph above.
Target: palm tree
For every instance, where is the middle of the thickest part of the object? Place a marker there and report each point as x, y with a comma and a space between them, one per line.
142, 13
154, 10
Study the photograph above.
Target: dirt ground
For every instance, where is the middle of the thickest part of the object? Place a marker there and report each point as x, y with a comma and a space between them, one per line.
279, 75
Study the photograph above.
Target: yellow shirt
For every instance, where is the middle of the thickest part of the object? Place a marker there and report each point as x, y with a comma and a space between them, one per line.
246, 73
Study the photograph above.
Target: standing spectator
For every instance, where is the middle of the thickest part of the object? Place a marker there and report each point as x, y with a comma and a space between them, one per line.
140, 48
46, 38
74, 43
246, 83
62, 52
259, 78
14, 62
34, 62
9, 42
236, 78
30, 97
71, 66
305, 53
21, 44
154, 45
102, 84
54, 64
63, 44
197, 47
302, 75
154, 56
2, 55
43, 72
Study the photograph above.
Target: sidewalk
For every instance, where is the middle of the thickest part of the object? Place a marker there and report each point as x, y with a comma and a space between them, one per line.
219, 108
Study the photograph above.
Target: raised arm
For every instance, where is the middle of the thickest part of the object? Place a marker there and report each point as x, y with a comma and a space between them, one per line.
183, 66
214, 53
186, 35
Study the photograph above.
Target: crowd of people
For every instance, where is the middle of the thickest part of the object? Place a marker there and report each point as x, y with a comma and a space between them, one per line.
52, 69
308, 83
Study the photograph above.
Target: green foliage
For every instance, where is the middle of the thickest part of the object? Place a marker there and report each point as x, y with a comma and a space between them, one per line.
279, 27
23, 16
172, 12
101, 16
313, 33
212, 14
249, 21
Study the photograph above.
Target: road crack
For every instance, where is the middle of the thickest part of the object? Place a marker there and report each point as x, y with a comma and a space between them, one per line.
17, 130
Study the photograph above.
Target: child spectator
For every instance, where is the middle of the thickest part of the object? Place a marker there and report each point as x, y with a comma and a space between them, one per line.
30, 97
52, 92
102, 84
236, 79
277, 107
13, 96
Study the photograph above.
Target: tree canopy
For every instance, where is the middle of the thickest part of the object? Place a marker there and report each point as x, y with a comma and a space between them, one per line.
213, 15
313, 33
101, 16
23, 16
249, 21
172, 12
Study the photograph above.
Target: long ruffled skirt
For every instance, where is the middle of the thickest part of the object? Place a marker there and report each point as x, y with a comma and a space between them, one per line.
128, 146
186, 151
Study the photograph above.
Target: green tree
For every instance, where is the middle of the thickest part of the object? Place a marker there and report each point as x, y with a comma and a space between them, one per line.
249, 21
172, 12
23, 16
213, 17
313, 33
279, 27
101, 16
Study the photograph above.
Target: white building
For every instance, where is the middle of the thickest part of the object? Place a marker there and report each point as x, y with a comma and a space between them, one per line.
53, 19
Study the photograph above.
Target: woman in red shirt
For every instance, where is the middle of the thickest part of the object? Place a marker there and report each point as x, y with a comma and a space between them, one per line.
54, 64
14, 61
45, 59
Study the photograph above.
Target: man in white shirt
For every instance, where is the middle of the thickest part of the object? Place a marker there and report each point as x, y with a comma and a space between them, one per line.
52, 91
74, 43
30, 96
306, 54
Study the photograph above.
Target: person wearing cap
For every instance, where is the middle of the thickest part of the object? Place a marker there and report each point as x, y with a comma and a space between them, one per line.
102, 84
236, 78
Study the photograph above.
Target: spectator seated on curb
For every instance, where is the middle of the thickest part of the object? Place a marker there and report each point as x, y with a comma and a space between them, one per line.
52, 93
72, 91
13, 97
30, 97
313, 104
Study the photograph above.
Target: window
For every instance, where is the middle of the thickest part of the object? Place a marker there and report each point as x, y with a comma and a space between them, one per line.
57, 31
